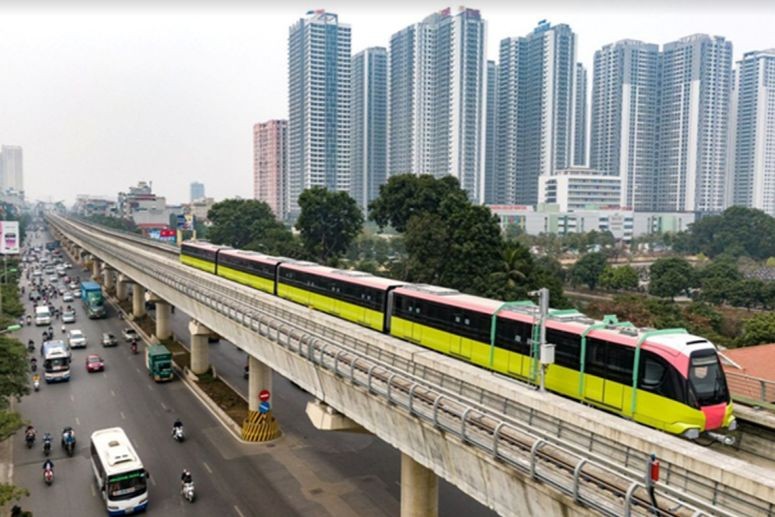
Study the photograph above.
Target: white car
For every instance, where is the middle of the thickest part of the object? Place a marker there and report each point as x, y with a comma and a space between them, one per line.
73, 285
68, 316
76, 339
67, 297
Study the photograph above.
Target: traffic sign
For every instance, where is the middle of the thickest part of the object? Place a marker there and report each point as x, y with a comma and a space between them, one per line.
264, 407
263, 395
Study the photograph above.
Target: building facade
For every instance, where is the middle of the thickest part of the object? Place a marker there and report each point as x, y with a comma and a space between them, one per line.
535, 110
369, 124
197, 191
579, 188
695, 84
754, 136
490, 192
270, 164
11, 168
623, 131
319, 64
438, 98
580, 116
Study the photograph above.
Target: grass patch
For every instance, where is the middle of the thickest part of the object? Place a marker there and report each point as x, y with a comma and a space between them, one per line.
229, 401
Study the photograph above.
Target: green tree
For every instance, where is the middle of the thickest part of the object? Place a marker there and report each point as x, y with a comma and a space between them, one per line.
328, 222
250, 224
758, 330
738, 231
669, 277
117, 223
587, 270
407, 195
515, 267
619, 278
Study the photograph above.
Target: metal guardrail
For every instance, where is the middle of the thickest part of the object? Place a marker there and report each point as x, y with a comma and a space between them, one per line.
514, 434
751, 388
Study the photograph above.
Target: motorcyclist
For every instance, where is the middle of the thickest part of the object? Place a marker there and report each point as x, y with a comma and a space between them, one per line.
34, 364
29, 319
48, 464
64, 329
47, 441
31, 345
185, 478
176, 425
30, 431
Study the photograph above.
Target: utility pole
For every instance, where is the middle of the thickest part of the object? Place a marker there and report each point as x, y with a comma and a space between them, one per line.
546, 351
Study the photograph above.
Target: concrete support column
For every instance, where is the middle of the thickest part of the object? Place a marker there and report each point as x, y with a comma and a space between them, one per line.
259, 378
107, 278
138, 300
419, 489
200, 349
162, 320
96, 268
121, 284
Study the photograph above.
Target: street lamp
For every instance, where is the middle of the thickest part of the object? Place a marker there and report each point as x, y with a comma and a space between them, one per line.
10, 328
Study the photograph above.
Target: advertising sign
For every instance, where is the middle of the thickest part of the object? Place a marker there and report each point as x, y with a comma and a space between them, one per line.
9, 237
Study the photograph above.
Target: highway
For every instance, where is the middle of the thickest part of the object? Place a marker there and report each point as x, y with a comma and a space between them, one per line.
306, 472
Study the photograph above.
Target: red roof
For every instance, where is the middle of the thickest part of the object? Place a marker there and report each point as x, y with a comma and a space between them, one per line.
755, 361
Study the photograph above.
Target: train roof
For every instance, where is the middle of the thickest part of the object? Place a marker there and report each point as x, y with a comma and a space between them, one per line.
345, 275
253, 255
205, 245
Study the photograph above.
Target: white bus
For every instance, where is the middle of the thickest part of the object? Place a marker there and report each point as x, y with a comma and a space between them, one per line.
120, 475
42, 316
56, 361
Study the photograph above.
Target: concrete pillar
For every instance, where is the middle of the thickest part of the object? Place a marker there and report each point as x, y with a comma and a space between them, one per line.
259, 378
96, 268
107, 278
419, 489
138, 300
200, 349
121, 284
163, 320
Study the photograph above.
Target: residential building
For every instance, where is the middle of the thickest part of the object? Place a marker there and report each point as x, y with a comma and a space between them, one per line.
535, 110
623, 224
578, 188
270, 164
11, 169
368, 127
438, 98
580, 116
754, 123
623, 131
143, 206
199, 208
197, 191
319, 63
490, 192
87, 205
695, 83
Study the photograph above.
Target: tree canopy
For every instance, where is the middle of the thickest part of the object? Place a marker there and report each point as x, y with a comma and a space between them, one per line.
329, 222
669, 277
738, 231
250, 224
619, 278
587, 269
758, 330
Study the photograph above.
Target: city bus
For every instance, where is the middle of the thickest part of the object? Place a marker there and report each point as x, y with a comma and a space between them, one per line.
56, 361
121, 478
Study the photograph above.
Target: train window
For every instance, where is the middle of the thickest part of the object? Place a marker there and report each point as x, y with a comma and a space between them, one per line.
620, 360
514, 336
659, 377
567, 348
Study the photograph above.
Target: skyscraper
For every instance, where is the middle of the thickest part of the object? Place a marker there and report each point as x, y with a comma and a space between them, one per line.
197, 191
368, 125
490, 193
695, 83
270, 164
535, 110
318, 106
438, 100
11, 167
580, 116
623, 131
754, 153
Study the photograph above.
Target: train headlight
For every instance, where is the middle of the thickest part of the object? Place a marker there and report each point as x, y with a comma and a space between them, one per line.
733, 424
691, 434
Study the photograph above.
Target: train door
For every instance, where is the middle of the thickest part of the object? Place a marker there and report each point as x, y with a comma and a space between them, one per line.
454, 340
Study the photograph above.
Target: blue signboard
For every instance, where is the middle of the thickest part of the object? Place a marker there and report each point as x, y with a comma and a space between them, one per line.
264, 407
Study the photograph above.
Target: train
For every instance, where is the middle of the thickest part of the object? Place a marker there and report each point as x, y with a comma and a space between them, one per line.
666, 379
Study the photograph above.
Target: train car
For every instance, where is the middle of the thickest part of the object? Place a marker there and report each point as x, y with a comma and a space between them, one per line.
201, 255
249, 268
352, 295
666, 379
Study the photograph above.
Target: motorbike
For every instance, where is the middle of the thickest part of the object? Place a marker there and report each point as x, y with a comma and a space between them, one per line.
30, 346
34, 366
133, 347
68, 442
187, 491
29, 321
36, 384
47, 445
178, 434
29, 439
48, 475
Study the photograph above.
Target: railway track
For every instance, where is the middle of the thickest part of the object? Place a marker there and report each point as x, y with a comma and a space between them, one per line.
564, 460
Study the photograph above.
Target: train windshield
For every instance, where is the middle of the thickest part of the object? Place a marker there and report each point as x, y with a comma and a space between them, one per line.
707, 379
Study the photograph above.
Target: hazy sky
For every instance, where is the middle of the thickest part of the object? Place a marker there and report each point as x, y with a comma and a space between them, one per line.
169, 91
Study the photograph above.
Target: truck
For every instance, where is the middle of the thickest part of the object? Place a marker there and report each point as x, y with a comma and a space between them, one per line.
158, 360
93, 302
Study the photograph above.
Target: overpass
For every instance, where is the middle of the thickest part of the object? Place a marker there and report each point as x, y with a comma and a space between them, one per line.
518, 451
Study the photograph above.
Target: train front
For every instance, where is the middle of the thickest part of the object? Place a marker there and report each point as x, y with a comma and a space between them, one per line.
708, 392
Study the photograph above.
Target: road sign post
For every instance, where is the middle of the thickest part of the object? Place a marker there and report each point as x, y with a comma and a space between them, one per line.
264, 395
264, 407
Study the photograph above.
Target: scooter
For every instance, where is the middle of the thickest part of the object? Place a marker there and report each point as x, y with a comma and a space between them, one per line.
36, 384
178, 434
187, 491
47, 445
133, 347
29, 439
48, 475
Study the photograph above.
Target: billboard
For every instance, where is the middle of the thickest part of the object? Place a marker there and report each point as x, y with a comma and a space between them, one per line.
9, 237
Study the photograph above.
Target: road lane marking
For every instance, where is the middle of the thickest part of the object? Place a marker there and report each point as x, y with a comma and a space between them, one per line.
138, 370
113, 393
122, 415
153, 481
93, 490
207, 467
72, 398
236, 509
77, 421
149, 386
163, 406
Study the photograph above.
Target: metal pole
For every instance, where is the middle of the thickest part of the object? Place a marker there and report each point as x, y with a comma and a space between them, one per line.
543, 307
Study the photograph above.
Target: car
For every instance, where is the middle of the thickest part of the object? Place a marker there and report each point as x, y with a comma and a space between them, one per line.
94, 363
67, 297
37, 273
130, 334
73, 285
53, 279
109, 339
34, 296
76, 339
68, 316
